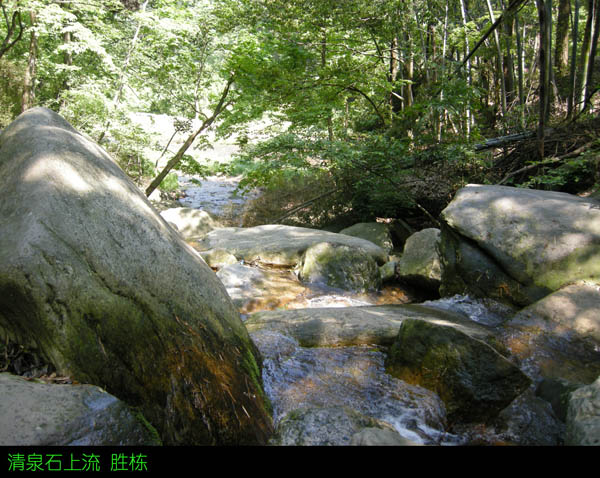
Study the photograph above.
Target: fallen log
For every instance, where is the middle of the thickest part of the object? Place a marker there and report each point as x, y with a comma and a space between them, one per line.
502, 141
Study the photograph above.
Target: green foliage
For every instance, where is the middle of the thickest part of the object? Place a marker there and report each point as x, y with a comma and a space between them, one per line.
170, 183
572, 175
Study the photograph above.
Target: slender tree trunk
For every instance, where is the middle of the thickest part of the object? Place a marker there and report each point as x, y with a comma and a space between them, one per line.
463, 9
589, 82
509, 64
586, 50
444, 48
545, 65
394, 100
520, 61
561, 51
324, 64
500, 61
28, 97
573, 73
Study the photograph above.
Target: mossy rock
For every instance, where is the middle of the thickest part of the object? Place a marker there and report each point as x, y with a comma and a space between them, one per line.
376, 232
109, 294
341, 267
474, 380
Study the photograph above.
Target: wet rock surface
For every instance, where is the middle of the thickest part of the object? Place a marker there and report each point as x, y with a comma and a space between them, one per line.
39, 414
474, 380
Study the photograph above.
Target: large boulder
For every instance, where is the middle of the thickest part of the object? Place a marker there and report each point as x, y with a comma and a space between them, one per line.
39, 414
340, 266
344, 326
540, 239
376, 232
420, 262
111, 295
191, 223
583, 416
472, 378
280, 245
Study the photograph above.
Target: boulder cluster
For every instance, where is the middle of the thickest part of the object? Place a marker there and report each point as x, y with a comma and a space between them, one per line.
102, 288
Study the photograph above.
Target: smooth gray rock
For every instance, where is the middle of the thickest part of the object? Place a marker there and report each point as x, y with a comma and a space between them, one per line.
468, 270
340, 266
281, 245
39, 414
380, 437
334, 426
583, 416
378, 325
575, 307
541, 238
376, 232
218, 258
420, 263
110, 294
191, 223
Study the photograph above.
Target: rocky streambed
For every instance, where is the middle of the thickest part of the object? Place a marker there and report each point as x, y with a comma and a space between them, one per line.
289, 336
334, 369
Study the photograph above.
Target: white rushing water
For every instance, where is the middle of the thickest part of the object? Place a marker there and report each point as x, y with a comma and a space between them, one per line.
296, 377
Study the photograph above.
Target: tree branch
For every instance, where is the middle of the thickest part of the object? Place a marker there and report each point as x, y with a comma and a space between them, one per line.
188, 142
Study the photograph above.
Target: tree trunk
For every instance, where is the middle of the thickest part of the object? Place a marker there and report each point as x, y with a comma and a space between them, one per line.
573, 74
561, 52
586, 50
444, 47
500, 61
28, 97
520, 68
509, 64
543, 7
463, 10
589, 82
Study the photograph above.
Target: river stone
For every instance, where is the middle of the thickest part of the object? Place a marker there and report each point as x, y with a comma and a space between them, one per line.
380, 437
474, 380
280, 245
191, 223
583, 416
542, 238
252, 288
340, 266
344, 326
530, 421
333, 426
218, 258
94, 278
574, 308
420, 262
39, 414
375, 232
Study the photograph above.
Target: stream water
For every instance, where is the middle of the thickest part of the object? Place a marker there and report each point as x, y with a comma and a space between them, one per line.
296, 377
